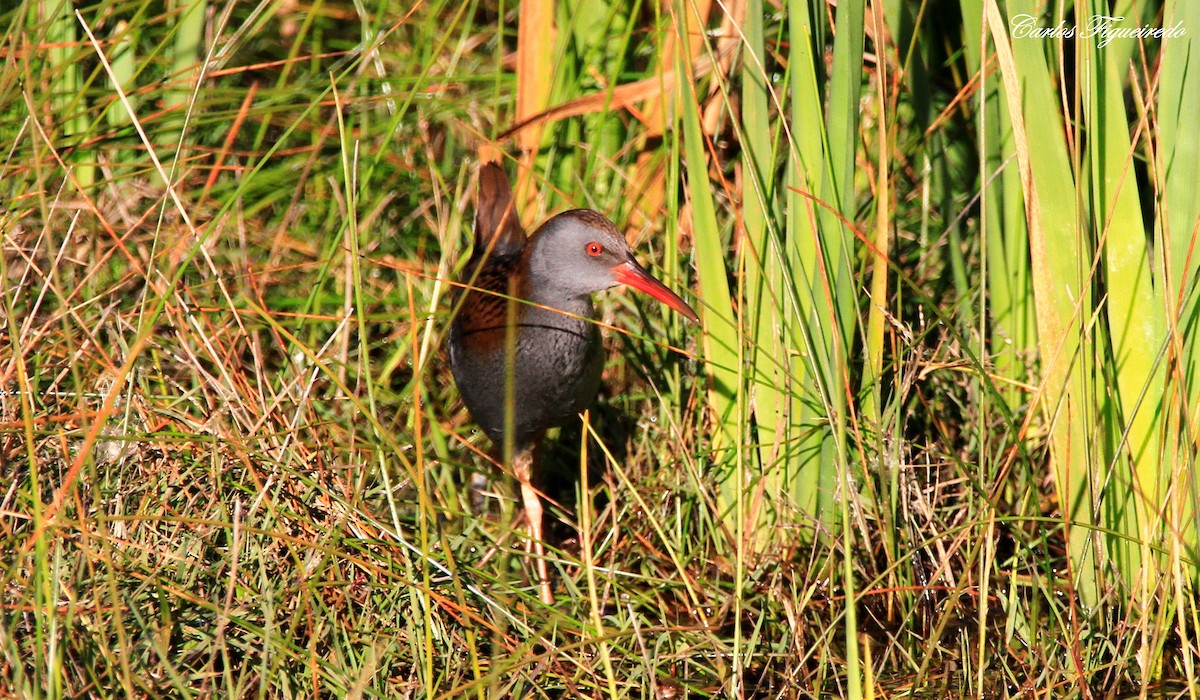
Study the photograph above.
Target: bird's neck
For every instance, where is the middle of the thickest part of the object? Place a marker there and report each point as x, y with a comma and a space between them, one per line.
554, 301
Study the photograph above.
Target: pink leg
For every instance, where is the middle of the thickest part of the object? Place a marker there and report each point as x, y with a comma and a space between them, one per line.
523, 468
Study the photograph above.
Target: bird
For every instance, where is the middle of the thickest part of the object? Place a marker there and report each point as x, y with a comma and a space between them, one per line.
524, 346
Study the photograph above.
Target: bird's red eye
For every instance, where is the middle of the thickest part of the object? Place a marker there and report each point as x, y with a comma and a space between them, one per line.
594, 249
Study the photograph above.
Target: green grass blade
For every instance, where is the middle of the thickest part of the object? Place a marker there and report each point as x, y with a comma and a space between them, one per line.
721, 329
1136, 325
1061, 281
1005, 255
1177, 236
812, 479
766, 315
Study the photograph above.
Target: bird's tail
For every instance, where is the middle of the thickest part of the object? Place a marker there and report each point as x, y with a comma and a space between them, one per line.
497, 224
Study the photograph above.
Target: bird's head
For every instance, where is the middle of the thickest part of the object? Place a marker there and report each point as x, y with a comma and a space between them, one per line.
580, 251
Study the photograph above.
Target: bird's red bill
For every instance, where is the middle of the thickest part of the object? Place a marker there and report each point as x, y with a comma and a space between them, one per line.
632, 274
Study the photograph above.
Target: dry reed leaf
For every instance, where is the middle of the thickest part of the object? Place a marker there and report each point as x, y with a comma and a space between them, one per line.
535, 41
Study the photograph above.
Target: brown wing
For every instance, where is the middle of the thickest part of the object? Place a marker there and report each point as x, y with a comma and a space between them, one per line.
481, 320
497, 225
491, 275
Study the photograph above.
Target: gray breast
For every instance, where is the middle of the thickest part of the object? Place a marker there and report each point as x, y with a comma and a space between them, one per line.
556, 369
